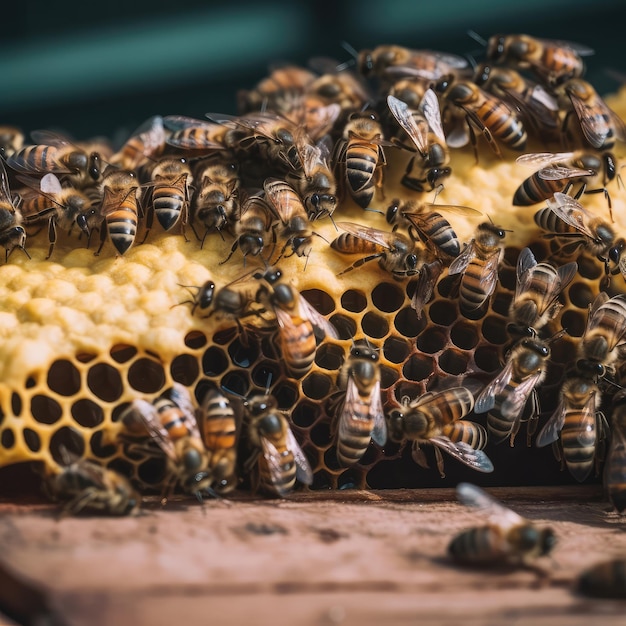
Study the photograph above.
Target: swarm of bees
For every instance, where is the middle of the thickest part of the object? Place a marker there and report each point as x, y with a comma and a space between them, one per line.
309, 147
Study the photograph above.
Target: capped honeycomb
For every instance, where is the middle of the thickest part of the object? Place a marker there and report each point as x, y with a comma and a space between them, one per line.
82, 336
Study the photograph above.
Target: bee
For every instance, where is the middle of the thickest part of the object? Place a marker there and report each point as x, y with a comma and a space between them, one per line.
605, 334
294, 226
423, 125
360, 416
604, 580
552, 61
189, 133
359, 157
589, 113
168, 194
338, 88
579, 424
58, 206
146, 142
296, 319
85, 485
478, 265
12, 233
277, 457
559, 171
396, 253
507, 394
170, 422
566, 218
495, 119
615, 468
54, 153
507, 540
219, 422
538, 108
437, 419
216, 199
11, 140
119, 208
537, 290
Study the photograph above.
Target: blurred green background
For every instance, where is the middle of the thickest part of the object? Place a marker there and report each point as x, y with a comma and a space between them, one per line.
101, 69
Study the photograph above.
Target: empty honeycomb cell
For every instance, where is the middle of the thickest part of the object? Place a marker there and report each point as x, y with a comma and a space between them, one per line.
243, 354
322, 480
387, 297
581, 295
432, 341
388, 376
321, 300
487, 358
87, 413
31, 439
330, 460
222, 337
66, 440
45, 409
320, 434
64, 378
453, 361
265, 373
214, 361
118, 410
99, 448
370, 456
418, 367
16, 404
286, 395
85, 357
305, 414
374, 325
151, 471
122, 353
507, 274
407, 323
105, 382
563, 352
146, 375
2, 415
350, 479
195, 340
31, 382
589, 267
464, 335
574, 322
443, 312
122, 466
345, 326
407, 390
500, 303
329, 356
316, 385
184, 369
396, 349
236, 382
353, 300
494, 329
7, 439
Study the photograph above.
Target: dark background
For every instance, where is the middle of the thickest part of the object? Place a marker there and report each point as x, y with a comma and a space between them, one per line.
102, 68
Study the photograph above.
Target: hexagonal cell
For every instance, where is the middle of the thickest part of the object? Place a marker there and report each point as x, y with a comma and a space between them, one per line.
574, 322
64, 378
329, 356
346, 326
16, 404
580, 294
99, 448
214, 361
122, 353
45, 409
146, 375
305, 414
184, 369
418, 367
388, 297
316, 385
443, 312
7, 438
87, 413
464, 335
104, 381
31, 439
407, 324
453, 361
66, 441
432, 341
396, 349
494, 329
353, 300
322, 301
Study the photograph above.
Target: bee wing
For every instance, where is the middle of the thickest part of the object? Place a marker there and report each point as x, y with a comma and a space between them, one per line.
380, 237
143, 412
304, 473
566, 274
92, 472
283, 204
578, 48
486, 399
430, 108
50, 184
593, 121
405, 118
473, 496
5, 190
307, 311
515, 402
181, 122
525, 262
50, 138
320, 119
587, 425
179, 394
379, 432
560, 172
273, 459
463, 260
457, 209
461, 451
552, 428
543, 159
571, 212
426, 281
151, 133
489, 276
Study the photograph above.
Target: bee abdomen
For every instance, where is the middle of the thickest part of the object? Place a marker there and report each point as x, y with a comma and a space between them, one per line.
282, 481
579, 448
472, 295
508, 129
298, 349
536, 189
168, 205
122, 226
476, 437
476, 545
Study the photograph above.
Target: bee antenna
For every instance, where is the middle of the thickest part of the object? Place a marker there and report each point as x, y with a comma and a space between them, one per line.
268, 384
350, 50
233, 393
557, 335
476, 37
333, 222
373, 210
438, 190
345, 65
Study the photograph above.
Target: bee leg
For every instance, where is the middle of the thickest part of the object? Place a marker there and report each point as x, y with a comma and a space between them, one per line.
103, 238
52, 235
439, 461
360, 262
417, 454
607, 197
533, 420
81, 501
149, 220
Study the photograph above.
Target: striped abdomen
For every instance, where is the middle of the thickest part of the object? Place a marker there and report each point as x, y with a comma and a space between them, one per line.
361, 163
502, 123
483, 544
297, 345
536, 189
281, 479
355, 432
474, 435
169, 201
578, 438
121, 221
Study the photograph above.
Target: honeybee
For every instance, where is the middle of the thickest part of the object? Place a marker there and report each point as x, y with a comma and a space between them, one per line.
437, 419
167, 195
559, 171
538, 108
11, 140
604, 580
219, 422
341, 88
58, 206
579, 424
189, 133
537, 291
552, 61
216, 199
600, 125
146, 142
360, 416
508, 539
424, 127
495, 119
294, 226
277, 455
85, 485
478, 264
615, 468
12, 233
119, 208
396, 253
359, 157
54, 153
296, 319
604, 336
507, 394
170, 422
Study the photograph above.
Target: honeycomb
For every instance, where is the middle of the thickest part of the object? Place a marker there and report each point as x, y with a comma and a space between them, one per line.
82, 336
